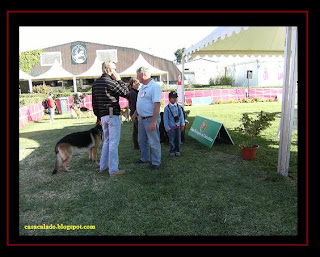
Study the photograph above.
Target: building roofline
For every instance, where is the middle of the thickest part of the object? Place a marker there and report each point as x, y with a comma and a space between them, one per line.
69, 43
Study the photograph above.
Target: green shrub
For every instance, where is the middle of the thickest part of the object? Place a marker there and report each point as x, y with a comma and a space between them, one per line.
220, 81
219, 101
199, 86
43, 89
252, 128
256, 99
33, 98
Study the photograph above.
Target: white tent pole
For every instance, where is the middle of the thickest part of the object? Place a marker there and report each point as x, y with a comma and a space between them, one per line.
74, 84
289, 89
293, 88
283, 122
182, 81
30, 85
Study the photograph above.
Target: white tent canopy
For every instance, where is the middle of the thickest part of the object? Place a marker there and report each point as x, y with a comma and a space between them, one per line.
141, 62
95, 71
259, 41
55, 72
25, 76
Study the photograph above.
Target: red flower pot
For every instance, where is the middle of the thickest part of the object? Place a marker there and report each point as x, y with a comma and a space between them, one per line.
249, 153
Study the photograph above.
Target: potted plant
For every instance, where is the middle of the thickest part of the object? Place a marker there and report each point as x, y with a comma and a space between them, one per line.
251, 128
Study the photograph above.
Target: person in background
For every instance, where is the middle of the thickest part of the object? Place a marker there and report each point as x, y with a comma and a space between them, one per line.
51, 106
148, 114
133, 94
106, 91
76, 99
174, 123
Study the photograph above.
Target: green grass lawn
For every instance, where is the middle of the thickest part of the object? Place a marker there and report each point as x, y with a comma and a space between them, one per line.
205, 191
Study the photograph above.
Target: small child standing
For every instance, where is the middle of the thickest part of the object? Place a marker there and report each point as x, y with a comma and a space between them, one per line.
173, 123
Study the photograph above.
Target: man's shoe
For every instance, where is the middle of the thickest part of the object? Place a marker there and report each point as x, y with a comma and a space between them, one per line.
102, 171
140, 162
154, 167
117, 173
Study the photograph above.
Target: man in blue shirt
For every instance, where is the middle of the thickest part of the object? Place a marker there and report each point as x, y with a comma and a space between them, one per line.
148, 114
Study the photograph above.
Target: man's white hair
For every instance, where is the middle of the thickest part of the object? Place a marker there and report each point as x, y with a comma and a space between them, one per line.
144, 70
106, 65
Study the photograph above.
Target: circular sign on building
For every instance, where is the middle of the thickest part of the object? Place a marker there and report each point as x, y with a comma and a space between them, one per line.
79, 54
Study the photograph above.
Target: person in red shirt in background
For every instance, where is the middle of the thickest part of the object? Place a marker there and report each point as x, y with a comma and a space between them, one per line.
51, 106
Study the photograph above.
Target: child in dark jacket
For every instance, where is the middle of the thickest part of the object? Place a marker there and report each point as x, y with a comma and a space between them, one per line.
173, 123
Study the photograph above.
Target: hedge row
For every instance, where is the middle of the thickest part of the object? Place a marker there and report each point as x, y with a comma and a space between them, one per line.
27, 99
243, 100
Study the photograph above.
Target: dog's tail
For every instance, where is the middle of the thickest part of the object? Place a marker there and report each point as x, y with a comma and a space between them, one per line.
58, 161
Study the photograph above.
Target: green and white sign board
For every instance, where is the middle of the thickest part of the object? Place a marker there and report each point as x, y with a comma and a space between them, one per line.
206, 131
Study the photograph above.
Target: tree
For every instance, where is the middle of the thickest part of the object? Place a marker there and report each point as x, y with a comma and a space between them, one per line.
178, 55
29, 59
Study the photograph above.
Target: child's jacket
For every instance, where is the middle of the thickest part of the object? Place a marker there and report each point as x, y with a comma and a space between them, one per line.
168, 117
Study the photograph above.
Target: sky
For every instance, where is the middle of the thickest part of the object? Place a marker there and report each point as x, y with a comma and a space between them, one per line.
158, 41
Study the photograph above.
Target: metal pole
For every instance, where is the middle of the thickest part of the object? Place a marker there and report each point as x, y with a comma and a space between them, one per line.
74, 84
182, 82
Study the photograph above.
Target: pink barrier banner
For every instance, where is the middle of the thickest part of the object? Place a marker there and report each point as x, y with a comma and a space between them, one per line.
207, 92
165, 97
264, 92
87, 102
35, 112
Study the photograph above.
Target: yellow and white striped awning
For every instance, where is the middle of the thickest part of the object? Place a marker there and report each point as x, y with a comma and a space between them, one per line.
240, 41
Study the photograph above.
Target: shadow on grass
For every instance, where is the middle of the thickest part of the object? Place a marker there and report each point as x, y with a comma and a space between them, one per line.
205, 191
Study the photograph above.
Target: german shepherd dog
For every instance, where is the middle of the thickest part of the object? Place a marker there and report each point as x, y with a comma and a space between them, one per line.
85, 140
80, 110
